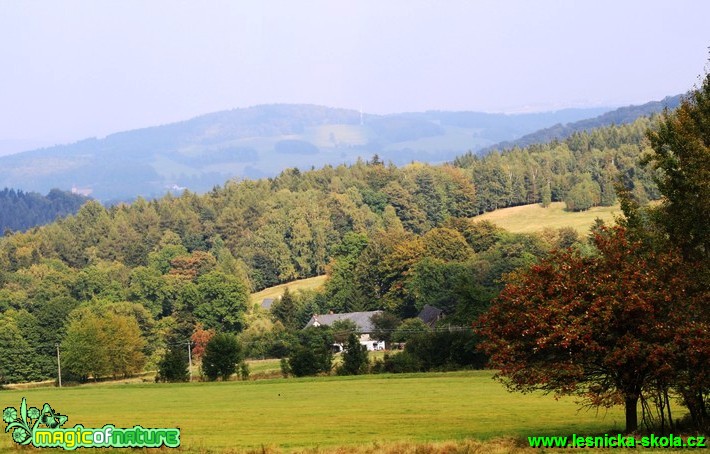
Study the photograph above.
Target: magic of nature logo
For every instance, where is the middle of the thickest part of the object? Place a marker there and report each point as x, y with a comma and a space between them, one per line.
43, 429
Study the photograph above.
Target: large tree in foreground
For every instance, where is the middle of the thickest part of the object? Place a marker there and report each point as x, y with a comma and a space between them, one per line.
603, 327
681, 156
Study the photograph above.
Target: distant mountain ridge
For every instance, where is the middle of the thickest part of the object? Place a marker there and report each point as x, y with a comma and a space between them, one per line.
260, 141
620, 116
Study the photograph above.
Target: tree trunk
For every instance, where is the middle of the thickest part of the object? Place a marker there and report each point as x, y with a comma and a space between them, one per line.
631, 414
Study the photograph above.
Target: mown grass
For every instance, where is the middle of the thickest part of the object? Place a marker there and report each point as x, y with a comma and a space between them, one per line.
534, 218
271, 368
278, 290
323, 413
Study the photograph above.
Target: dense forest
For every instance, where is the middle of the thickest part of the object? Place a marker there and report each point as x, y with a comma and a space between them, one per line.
389, 238
20, 210
589, 163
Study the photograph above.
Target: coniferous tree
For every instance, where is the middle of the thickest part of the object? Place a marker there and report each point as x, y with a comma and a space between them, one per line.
222, 354
355, 360
173, 367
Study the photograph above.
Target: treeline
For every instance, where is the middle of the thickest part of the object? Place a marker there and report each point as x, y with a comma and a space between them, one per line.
20, 211
619, 116
390, 238
586, 163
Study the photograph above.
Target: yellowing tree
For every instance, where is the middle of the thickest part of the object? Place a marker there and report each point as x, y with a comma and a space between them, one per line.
102, 345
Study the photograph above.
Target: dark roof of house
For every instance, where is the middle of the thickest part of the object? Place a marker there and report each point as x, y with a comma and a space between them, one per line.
266, 303
430, 314
361, 319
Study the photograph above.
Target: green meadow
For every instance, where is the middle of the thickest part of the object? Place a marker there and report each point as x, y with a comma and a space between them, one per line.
322, 413
293, 286
534, 218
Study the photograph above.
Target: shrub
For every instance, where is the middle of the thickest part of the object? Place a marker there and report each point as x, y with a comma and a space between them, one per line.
583, 196
447, 350
303, 362
402, 362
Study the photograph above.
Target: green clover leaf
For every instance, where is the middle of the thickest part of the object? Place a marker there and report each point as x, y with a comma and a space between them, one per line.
9, 414
20, 435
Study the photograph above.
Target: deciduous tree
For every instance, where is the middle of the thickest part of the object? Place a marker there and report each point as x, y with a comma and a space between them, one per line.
100, 345
601, 327
223, 301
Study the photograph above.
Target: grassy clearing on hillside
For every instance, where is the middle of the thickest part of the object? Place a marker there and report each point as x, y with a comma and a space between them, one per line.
330, 136
534, 218
278, 290
324, 412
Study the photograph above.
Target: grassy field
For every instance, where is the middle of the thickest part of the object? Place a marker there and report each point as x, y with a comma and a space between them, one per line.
278, 290
533, 218
324, 412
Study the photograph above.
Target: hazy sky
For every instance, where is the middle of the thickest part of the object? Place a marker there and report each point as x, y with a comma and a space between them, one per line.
75, 69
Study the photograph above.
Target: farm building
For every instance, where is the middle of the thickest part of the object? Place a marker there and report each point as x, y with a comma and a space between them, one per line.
361, 319
430, 315
266, 303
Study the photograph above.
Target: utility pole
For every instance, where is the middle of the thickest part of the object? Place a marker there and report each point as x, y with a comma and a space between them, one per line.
189, 358
59, 367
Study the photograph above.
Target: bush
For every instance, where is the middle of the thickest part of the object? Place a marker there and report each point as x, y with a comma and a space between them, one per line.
447, 350
409, 329
244, 371
285, 368
313, 353
402, 362
279, 349
303, 362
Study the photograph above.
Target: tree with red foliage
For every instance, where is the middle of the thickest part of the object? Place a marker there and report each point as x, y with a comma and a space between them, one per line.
200, 338
603, 327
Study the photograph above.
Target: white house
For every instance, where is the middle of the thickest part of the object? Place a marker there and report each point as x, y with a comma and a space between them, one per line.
361, 319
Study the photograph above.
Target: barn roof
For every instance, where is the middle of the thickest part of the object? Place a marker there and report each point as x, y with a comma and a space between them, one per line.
361, 319
431, 314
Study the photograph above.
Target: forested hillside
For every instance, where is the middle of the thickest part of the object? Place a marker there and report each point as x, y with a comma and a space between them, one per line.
620, 116
583, 167
260, 141
22, 210
389, 238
